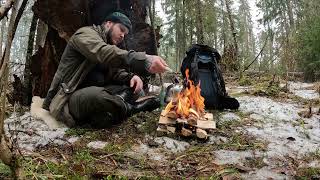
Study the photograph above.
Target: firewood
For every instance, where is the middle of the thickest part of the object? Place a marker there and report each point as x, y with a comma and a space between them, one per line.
172, 115
186, 132
171, 129
192, 121
162, 129
202, 134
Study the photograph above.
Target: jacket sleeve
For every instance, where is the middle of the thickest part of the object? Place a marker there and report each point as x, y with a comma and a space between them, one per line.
121, 76
89, 43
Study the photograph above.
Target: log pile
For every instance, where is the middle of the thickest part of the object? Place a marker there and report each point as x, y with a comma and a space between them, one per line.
193, 125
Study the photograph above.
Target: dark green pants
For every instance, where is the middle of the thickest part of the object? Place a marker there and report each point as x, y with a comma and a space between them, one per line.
97, 106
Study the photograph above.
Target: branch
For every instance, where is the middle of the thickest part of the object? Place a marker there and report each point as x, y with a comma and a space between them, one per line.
264, 45
5, 8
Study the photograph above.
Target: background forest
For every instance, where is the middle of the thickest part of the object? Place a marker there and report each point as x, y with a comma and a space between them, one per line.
284, 36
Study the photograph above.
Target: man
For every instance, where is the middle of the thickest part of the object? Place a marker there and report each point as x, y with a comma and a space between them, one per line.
97, 82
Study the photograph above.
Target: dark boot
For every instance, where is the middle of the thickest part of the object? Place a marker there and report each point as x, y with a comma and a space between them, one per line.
149, 104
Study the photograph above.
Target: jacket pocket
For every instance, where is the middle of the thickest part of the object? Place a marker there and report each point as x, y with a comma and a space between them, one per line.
58, 106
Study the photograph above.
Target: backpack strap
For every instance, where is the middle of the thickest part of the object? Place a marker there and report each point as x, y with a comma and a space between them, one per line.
194, 68
220, 81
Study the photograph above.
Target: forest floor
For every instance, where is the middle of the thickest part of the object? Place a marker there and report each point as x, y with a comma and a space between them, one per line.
269, 137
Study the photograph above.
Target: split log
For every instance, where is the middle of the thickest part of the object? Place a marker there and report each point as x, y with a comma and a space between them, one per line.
202, 134
192, 121
186, 132
171, 129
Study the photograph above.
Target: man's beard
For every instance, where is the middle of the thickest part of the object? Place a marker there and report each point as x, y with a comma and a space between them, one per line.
109, 35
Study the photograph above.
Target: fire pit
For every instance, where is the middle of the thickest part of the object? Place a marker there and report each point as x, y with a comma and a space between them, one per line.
185, 113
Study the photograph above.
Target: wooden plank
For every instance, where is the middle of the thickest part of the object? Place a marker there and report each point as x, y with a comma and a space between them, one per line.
203, 124
166, 120
206, 124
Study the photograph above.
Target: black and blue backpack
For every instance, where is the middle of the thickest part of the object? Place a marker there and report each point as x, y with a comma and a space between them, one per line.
202, 62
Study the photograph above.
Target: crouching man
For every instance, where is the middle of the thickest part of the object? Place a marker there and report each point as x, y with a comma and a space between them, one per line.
97, 82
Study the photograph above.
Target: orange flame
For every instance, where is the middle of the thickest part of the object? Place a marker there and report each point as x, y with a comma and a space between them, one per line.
188, 101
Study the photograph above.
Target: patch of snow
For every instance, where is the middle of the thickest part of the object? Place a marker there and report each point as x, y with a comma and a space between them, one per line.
97, 144
256, 117
280, 126
239, 89
303, 90
306, 94
32, 133
217, 140
263, 173
299, 85
233, 157
143, 149
172, 144
229, 117
74, 139
268, 108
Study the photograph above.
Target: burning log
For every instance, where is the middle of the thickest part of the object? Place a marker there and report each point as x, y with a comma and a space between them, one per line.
185, 113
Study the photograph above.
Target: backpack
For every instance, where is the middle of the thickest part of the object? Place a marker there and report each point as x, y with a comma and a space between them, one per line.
202, 62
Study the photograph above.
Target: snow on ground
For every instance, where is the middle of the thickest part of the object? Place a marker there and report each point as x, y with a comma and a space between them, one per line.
303, 90
32, 133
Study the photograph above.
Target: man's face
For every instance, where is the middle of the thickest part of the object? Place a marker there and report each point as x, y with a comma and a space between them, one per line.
116, 32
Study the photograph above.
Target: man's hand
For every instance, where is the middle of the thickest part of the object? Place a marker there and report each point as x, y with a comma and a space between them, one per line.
157, 64
137, 83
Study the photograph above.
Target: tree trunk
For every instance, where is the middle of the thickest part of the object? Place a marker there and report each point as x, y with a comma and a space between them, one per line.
234, 35
200, 38
177, 38
27, 71
7, 154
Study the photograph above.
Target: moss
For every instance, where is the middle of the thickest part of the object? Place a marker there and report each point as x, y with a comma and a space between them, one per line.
83, 156
245, 81
76, 131
5, 171
308, 173
113, 148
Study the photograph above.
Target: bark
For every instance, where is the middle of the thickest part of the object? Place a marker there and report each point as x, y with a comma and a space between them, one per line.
27, 71
45, 62
5, 8
42, 31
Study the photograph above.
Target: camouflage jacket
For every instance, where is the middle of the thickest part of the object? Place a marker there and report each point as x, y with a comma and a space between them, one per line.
86, 48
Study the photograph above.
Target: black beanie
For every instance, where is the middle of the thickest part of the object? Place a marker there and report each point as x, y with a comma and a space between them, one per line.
118, 17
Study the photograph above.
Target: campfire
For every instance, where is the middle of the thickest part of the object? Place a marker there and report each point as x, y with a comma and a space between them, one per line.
185, 113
